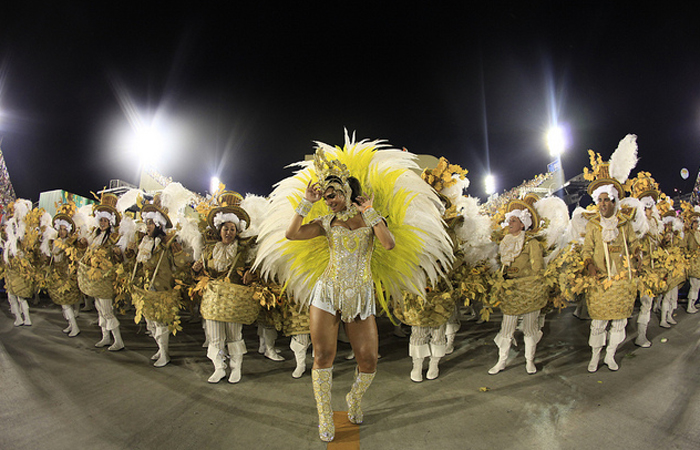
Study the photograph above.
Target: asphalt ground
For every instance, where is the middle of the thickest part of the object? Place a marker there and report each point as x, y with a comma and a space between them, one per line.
63, 393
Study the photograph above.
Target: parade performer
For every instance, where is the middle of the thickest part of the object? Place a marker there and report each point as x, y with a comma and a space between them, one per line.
434, 316
59, 245
691, 218
226, 303
673, 242
608, 250
372, 198
522, 267
97, 268
652, 273
158, 257
21, 257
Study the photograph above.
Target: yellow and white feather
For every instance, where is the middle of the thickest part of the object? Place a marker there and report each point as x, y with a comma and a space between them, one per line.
423, 250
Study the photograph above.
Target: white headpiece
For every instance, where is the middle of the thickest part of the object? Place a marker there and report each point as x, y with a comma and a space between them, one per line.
607, 189
60, 222
156, 217
107, 215
522, 214
222, 218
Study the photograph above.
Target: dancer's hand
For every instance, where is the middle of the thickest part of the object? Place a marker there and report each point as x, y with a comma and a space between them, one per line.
364, 203
313, 192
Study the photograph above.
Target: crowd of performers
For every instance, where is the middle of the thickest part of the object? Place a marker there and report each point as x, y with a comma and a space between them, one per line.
355, 232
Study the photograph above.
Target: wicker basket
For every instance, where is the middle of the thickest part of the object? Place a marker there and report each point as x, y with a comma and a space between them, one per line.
614, 303
229, 302
100, 288
295, 319
71, 296
432, 312
530, 294
18, 285
158, 306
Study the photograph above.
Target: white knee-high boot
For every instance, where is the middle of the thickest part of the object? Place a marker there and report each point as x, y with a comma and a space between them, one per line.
693, 295
530, 348
216, 355
162, 337
616, 336
118, 342
299, 344
236, 350
269, 336
105, 341
69, 314
15, 309
597, 342
437, 351
503, 344
24, 306
643, 322
665, 308
418, 353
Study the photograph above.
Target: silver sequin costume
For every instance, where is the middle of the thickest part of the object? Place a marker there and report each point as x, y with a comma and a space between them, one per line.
346, 285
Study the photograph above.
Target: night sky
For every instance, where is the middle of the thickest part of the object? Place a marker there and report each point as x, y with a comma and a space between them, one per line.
243, 88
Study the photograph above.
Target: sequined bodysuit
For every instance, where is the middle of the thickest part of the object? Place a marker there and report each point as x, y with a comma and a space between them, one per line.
346, 285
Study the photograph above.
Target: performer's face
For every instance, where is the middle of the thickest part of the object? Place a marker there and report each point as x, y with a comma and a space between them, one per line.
515, 226
648, 212
150, 227
228, 232
104, 223
335, 200
606, 205
62, 232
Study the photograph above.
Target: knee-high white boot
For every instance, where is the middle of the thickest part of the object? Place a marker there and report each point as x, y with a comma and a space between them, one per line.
118, 342
236, 350
530, 348
24, 306
437, 351
503, 344
418, 353
615, 338
269, 338
69, 314
162, 338
597, 342
105, 341
216, 355
299, 344
15, 309
642, 340
665, 307
322, 381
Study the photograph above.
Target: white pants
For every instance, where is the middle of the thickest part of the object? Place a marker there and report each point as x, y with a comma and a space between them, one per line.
105, 312
220, 333
531, 326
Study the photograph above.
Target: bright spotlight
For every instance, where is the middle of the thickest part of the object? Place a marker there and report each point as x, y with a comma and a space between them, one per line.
149, 144
556, 141
490, 184
214, 185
